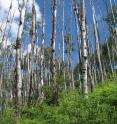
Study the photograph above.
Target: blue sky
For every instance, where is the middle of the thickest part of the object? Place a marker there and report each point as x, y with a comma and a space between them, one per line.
100, 13
13, 15
100, 9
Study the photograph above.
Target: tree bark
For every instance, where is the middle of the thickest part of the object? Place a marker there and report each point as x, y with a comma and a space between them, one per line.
18, 55
31, 89
84, 49
63, 44
42, 47
97, 42
53, 43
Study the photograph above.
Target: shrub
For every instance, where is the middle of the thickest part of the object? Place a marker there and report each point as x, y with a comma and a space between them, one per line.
72, 108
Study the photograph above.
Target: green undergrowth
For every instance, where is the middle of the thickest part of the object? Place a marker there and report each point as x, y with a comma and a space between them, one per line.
72, 108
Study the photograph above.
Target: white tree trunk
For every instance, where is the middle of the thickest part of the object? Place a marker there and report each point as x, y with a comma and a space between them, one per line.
63, 45
53, 44
42, 48
31, 89
84, 49
18, 54
97, 42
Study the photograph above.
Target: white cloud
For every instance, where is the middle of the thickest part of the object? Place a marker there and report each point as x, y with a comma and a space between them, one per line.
8, 42
4, 8
28, 49
29, 8
14, 29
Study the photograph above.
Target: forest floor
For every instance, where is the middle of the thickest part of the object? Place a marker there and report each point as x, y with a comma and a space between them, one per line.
72, 108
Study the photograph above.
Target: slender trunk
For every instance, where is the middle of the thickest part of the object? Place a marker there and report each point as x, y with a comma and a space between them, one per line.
18, 55
78, 23
37, 58
72, 77
31, 89
49, 72
95, 70
63, 46
42, 48
53, 43
59, 61
97, 41
91, 79
84, 49
78, 26
5, 29
108, 50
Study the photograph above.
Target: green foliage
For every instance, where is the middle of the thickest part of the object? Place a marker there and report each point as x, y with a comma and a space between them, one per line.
69, 44
112, 20
51, 94
103, 105
72, 108
8, 117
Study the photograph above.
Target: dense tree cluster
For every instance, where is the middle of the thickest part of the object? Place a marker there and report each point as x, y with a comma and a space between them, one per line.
41, 73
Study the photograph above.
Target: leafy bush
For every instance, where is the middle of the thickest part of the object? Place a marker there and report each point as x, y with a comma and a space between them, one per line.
72, 108
8, 117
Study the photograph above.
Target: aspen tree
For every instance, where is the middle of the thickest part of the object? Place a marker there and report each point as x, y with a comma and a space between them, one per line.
63, 43
84, 49
53, 42
31, 89
7, 22
18, 56
42, 47
97, 41
78, 28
